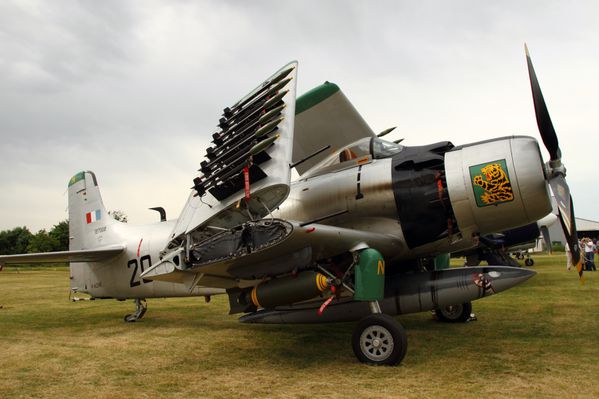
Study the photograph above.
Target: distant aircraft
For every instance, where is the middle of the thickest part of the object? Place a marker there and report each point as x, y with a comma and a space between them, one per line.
495, 248
340, 243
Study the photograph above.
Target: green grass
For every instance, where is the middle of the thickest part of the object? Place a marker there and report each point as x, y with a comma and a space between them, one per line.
536, 340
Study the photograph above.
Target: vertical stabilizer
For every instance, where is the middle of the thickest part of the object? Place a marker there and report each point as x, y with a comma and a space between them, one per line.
87, 215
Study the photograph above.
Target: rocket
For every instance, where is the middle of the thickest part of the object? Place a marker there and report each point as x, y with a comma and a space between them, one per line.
405, 293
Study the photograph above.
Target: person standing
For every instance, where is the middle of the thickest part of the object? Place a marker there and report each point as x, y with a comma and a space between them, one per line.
589, 254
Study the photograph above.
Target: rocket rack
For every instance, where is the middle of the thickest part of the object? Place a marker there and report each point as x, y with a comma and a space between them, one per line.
247, 130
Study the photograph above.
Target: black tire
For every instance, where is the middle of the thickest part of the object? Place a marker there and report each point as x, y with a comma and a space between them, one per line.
454, 313
529, 262
130, 318
380, 340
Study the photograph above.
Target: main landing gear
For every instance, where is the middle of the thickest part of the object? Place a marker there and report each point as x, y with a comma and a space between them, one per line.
525, 254
140, 309
379, 339
455, 313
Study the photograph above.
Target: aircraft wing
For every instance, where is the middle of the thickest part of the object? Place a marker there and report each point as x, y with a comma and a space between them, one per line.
83, 255
264, 248
324, 116
246, 172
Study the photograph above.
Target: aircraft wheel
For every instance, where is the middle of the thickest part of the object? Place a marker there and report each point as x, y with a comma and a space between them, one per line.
529, 262
140, 310
454, 313
380, 340
130, 318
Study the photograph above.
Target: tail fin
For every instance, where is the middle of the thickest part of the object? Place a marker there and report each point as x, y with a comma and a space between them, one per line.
87, 215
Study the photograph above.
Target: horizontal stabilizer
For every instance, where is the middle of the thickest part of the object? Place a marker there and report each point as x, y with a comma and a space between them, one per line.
83, 255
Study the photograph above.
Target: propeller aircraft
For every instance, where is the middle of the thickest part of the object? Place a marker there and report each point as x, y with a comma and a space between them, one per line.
341, 243
495, 248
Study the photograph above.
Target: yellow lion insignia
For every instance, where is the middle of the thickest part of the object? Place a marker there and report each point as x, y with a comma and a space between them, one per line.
496, 185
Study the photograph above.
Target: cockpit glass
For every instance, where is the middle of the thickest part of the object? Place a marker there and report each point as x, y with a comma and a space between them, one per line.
384, 149
356, 150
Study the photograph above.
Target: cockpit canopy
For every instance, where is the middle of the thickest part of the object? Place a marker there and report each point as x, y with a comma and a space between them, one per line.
357, 153
380, 148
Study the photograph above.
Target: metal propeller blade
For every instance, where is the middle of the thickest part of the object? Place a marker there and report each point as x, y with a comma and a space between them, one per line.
565, 207
572, 239
542, 113
556, 171
564, 201
547, 239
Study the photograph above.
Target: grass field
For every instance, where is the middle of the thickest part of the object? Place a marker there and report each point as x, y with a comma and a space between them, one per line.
536, 340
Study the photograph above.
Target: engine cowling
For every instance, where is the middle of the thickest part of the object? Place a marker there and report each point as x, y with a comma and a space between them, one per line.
496, 185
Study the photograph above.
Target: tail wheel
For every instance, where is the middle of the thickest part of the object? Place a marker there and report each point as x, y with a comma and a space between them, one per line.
140, 310
454, 313
379, 339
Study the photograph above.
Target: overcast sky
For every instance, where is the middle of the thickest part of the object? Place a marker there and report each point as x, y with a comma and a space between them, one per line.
133, 90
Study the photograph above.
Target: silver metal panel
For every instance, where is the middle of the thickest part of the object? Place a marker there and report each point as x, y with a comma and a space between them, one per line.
531, 199
532, 185
323, 241
338, 191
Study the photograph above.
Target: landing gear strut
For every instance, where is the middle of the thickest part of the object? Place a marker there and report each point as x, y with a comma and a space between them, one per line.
525, 254
140, 309
379, 339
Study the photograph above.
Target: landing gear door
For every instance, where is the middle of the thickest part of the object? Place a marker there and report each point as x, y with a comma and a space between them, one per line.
370, 276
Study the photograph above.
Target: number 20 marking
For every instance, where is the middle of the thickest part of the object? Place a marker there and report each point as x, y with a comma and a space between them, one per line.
144, 262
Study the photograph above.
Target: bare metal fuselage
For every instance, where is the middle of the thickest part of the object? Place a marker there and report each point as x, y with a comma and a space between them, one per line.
362, 197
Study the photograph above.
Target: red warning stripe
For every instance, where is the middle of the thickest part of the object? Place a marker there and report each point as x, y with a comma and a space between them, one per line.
139, 247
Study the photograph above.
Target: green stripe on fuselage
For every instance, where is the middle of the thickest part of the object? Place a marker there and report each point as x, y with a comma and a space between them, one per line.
79, 176
315, 96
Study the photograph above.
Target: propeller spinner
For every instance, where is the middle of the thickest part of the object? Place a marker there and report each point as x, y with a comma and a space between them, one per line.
556, 172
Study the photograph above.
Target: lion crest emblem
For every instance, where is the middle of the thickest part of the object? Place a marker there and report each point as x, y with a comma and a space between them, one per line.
491, 183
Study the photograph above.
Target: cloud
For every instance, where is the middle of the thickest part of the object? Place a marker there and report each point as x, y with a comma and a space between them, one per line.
49, 47
134, 90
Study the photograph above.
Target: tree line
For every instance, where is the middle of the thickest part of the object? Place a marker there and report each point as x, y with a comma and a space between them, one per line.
20, 240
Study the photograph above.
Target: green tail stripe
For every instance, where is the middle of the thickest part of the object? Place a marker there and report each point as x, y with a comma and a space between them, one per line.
79, 176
